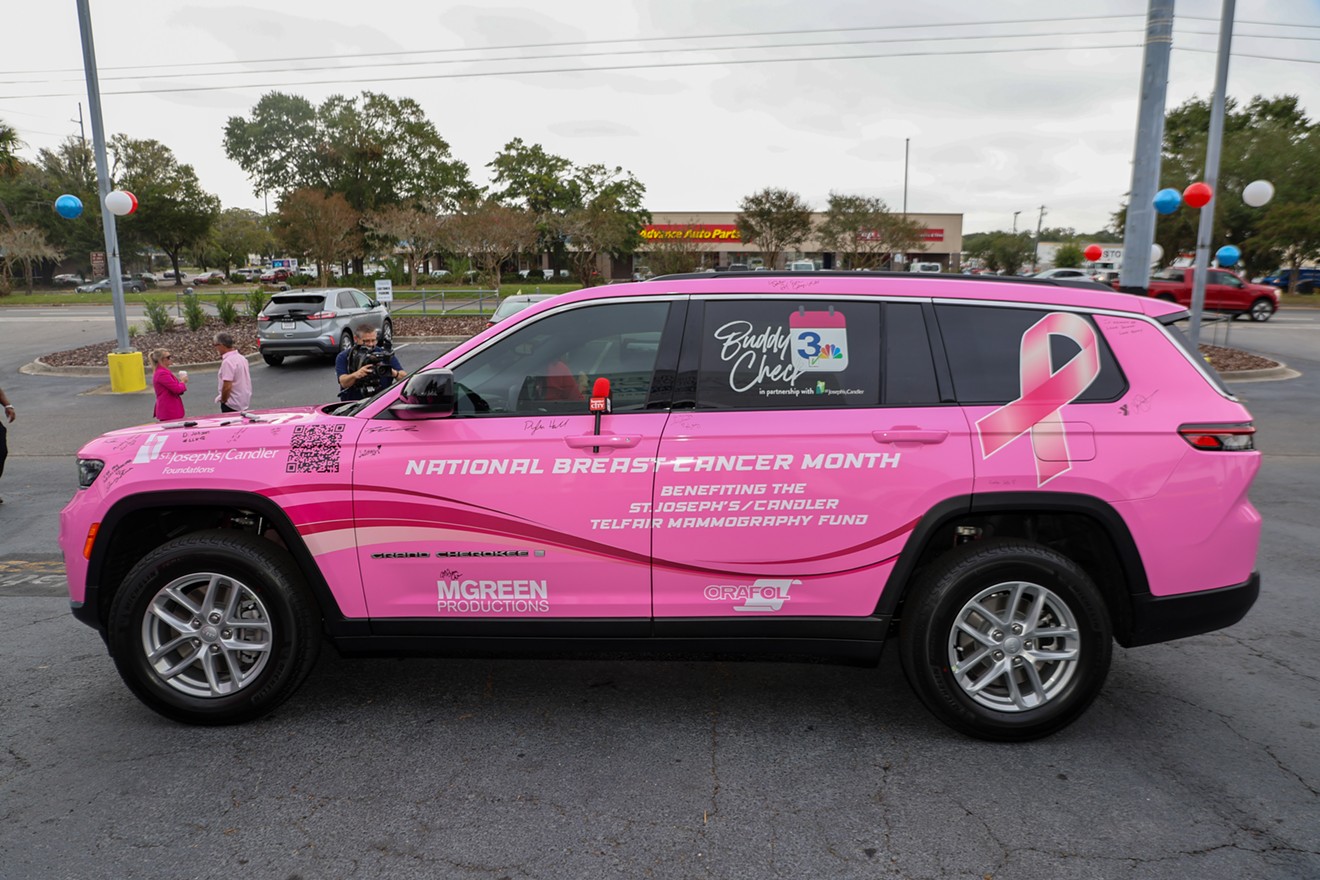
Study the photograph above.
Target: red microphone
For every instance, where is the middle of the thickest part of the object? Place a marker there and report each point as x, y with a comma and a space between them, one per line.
600, 403
600, 397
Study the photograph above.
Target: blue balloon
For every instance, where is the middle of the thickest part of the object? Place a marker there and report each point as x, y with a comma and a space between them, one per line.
68, 206
1227, 255
1167, 201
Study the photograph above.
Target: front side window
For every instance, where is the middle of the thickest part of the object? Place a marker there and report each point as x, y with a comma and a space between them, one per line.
551, 364
1225, 278
785, 354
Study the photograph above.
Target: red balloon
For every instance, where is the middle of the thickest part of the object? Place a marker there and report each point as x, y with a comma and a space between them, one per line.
1198, 195
1093, 252
133, 198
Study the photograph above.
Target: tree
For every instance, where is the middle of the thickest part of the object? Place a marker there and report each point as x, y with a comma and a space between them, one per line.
319, 227
489, 233
66, 169
174, 212
278, 145
609, 220
23, 245
1292, 231
774, 220
671, 256
1069, 256
1003, 253
238, 233
863, 230
1269, 138
542, 183
417, 231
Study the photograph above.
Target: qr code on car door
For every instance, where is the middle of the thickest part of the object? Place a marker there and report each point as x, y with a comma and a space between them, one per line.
315, 449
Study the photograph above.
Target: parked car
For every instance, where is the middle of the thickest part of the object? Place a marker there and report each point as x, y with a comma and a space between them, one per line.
171, 275
208, 278
1225, 291
1308, 278
878, 472
65, 280
317, 322
1065, 272
130, 285
802, 266
149, 277
511, 305
248, 273
439, 273
924, 268
274, 276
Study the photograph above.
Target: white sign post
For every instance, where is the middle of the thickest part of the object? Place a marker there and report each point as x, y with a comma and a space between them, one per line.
385, 291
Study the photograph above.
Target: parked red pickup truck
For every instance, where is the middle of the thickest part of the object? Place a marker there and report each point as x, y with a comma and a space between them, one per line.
1224, 292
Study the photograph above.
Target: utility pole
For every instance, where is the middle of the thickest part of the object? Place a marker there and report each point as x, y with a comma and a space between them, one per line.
1035, 256
82, 132
1139, 227
1015, 216
1212, 147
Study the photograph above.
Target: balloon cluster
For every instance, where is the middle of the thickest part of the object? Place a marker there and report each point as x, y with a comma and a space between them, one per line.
1256, 194
119, 202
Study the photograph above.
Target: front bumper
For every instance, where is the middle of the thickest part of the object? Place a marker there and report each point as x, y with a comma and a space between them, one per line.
1164, 618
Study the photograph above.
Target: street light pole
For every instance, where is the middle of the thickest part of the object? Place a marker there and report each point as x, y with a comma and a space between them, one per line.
1015, 215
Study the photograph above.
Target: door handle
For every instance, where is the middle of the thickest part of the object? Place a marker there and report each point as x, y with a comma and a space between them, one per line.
906, 434
615, 441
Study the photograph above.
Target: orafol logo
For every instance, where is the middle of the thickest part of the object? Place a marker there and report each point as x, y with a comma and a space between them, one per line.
763, 595
150, 448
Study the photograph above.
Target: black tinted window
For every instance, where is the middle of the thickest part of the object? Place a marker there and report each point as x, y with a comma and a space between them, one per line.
909, 371
295, 305
984, 347
781, 354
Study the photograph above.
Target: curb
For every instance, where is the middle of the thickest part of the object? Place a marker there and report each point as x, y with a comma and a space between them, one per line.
1268, 374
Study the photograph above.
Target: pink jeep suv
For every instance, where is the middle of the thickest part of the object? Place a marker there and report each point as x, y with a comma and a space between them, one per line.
1006, 475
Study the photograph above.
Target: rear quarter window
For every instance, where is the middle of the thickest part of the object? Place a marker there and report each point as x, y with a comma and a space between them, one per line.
984, 348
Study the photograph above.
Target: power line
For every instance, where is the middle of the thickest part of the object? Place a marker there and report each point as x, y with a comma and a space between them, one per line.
571, 43
609, 52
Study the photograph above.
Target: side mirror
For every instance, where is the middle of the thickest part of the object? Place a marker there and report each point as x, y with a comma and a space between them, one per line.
426, 395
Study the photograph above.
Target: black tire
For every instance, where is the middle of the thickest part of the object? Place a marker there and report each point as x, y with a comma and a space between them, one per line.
387, 334
1072, 609
346, 340
1262, 310
272, 360
262, 592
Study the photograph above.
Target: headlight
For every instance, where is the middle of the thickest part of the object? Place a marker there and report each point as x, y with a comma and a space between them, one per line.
88, 470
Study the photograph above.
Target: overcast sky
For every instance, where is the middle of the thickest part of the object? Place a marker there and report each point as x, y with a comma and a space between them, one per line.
996, 125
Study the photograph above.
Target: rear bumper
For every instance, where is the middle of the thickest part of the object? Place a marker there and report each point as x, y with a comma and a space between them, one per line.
319, 345
1164, 618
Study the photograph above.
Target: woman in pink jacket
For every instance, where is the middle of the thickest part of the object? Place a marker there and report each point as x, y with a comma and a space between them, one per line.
169, 390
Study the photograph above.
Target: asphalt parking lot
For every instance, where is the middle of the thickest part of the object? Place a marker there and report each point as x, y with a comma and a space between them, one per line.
1201, 758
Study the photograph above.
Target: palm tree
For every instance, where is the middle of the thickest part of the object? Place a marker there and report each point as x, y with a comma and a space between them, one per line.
9, 144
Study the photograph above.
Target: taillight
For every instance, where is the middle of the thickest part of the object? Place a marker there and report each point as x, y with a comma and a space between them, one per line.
1220, 438
263, 319
321, 316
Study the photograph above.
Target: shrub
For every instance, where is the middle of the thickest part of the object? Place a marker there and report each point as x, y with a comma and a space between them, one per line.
158, 317
132, 330
193, 315
225, 308
255, 301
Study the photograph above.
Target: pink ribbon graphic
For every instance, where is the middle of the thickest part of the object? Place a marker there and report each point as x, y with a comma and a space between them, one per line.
1044, 394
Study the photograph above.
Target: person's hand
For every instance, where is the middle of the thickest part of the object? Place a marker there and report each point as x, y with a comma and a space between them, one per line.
9, 413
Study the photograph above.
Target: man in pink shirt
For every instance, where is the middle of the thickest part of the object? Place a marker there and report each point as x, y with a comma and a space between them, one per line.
234, 377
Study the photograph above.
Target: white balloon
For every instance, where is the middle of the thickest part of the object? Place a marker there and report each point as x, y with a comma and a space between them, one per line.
1156, 254
118, 202
1258, 193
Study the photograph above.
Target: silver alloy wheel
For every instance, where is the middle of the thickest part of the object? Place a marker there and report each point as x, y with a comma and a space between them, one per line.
1014, 647
206, 635
1261, 310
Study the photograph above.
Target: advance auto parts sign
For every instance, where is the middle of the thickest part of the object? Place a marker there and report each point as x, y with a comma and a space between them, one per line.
713, 232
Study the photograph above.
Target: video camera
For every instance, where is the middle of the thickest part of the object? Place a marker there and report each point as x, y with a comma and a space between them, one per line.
381, 374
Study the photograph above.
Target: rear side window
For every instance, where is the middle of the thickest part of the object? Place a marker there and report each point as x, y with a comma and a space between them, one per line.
782, 354
984, 347
909, 371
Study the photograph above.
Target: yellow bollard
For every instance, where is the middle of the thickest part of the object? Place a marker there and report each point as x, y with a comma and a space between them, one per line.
127, 372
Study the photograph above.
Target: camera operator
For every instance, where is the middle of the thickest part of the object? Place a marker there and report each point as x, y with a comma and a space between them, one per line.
365, 368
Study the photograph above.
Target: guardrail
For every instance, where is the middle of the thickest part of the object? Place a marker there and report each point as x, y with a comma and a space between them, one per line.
439, 302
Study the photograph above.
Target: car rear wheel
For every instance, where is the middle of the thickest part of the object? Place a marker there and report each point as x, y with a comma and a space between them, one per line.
272, 360
1006, 640
387, 334
1262, 309
214, 628
346, 341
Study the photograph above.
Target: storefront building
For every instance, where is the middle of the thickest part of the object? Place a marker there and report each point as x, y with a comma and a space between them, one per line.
714, 237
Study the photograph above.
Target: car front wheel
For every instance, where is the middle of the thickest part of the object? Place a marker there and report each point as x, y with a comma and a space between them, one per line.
213, 628
1006, 640
387, 334
1262, 310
